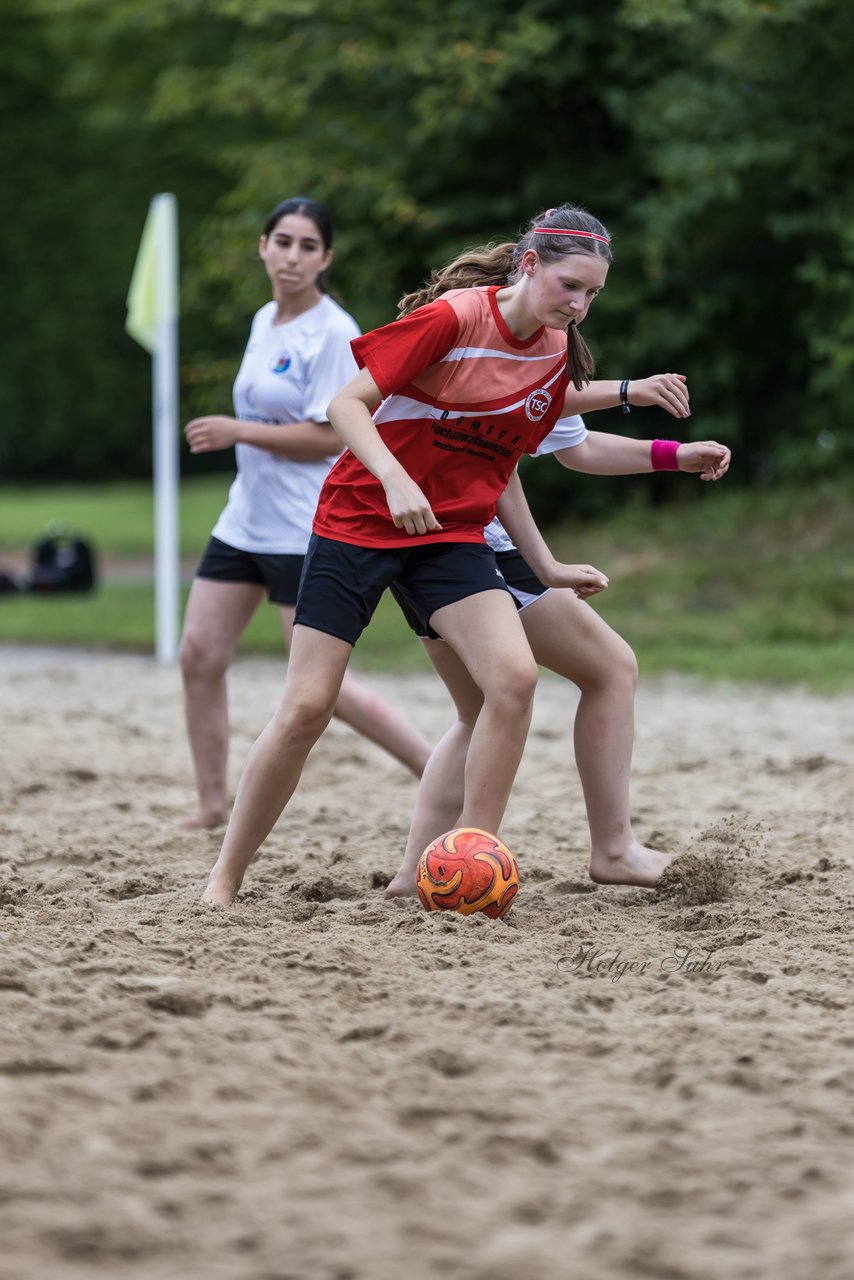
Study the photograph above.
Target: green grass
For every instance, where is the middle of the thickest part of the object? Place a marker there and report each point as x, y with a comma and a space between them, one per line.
118, 518
732, 585
726, 584
120, 615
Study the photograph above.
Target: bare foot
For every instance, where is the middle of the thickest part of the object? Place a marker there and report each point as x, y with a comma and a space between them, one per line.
402, 886
219, 893
204, 821
635, 865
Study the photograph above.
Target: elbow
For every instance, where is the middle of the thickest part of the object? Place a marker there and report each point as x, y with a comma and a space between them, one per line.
333, 407
343, 396
581, 458
342, 407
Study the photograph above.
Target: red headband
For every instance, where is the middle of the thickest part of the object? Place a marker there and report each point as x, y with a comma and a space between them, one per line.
560, 231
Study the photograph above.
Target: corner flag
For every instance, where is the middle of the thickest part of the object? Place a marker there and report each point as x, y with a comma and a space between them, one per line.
153, 293
152, 320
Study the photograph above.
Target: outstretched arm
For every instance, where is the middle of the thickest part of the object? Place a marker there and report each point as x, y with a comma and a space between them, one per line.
668, 390
350, 415
515, 514
602, 454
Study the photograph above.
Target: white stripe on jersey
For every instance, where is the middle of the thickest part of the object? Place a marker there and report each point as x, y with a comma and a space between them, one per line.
403, 408
481, 353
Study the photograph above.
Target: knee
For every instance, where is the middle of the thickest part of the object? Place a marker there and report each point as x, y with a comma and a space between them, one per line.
620, 670
625, 667
302, 717
512, 692
613, 669
199, 661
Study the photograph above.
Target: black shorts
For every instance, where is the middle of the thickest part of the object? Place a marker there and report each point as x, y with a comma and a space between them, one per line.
279, 574
522, 583
342, 584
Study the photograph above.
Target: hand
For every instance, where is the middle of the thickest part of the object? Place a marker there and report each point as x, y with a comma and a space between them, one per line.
583, 579
409, 509
706, 456
204, 435
665, 389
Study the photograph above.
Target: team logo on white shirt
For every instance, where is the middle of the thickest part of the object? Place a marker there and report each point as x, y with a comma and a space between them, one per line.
537, 405
282, 364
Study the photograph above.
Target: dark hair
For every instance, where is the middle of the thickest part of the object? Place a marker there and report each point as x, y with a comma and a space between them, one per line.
312, 209
499, 264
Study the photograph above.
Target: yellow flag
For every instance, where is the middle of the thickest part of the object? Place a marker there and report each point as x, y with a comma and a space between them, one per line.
153, 293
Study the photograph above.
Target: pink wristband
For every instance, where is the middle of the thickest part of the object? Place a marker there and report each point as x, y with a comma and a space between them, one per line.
663, 455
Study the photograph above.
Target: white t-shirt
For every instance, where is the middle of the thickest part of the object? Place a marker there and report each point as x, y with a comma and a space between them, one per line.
289, 373
567, 433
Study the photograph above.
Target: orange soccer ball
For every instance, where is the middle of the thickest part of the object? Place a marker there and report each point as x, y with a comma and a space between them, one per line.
468, 870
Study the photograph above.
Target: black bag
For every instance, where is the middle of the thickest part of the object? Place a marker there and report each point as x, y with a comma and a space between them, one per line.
62, 561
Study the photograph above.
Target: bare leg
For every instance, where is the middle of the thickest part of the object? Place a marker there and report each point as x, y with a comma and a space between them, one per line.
217, 614
274, 765
378, 721
485, 632
440, 797
371, 716
570, 638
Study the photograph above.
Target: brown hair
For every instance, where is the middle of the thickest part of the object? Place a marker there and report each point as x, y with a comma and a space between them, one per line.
492, 264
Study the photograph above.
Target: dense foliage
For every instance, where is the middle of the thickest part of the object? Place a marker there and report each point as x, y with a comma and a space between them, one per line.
712, 137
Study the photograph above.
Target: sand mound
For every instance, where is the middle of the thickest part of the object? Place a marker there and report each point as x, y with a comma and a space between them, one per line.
321, 1085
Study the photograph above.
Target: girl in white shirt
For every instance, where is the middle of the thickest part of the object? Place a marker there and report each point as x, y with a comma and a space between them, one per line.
297, 358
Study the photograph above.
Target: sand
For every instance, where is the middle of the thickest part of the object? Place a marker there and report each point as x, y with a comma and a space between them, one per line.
318, 1085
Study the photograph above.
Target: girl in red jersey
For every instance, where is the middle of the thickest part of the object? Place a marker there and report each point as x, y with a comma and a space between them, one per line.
566, 636
459, 389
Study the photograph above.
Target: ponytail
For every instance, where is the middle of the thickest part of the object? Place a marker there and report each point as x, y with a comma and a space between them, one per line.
489, 264
579, 359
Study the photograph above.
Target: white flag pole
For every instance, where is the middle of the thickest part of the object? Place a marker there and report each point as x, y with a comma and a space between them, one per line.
165, 428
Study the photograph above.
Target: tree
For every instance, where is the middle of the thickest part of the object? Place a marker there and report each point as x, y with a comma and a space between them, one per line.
433, 126
747, 138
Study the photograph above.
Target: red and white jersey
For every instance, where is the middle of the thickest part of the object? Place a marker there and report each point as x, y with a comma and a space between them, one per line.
463, 400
